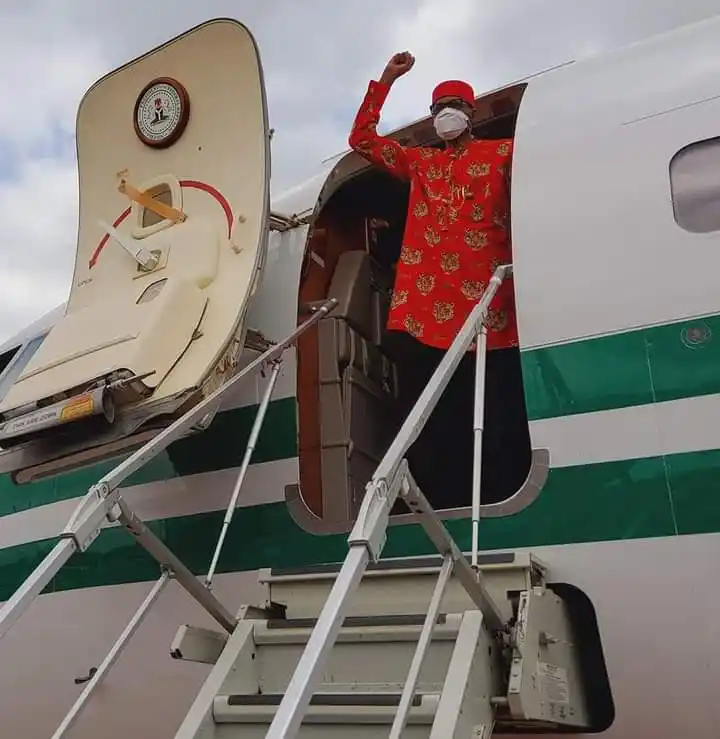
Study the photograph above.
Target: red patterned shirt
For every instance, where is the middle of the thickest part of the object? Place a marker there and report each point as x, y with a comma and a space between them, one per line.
457, 230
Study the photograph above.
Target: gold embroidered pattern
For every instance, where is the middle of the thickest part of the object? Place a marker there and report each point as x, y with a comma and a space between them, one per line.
413, 327
476, 239
449, 262
426, 153
499, 219
478, 169
411, 256
472, 289
443, 312
425, 283
478, 213
433, 173
421, 209
503, 149
487, 190
389, 155
399, 297
496, 319
432, 237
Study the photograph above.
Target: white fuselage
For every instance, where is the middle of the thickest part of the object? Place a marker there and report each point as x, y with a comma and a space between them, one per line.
609, 288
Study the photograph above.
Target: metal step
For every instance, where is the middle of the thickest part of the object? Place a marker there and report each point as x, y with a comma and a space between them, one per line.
401, 586
362, 645
359, 689
472, 680
341, 716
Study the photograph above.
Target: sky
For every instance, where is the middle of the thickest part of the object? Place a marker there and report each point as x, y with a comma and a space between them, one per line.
318, 56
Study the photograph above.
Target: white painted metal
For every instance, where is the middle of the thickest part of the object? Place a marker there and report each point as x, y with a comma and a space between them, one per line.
470, 663
429, 672
103, 501
478, 426
106, 665
368, 536
420, 653
142, 256
658, 690
250, 449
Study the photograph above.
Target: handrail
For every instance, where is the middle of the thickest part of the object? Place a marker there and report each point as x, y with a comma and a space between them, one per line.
161, 442
368, 536
106, 665
249, 450
103, 502
139, 616
421, 650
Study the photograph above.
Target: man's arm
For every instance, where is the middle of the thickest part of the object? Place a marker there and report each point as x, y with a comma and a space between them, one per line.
364, 138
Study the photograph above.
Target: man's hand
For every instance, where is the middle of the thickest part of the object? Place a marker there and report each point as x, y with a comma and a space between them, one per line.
398, 65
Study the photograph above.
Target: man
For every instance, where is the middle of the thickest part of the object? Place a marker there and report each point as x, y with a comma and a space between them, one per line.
457, 233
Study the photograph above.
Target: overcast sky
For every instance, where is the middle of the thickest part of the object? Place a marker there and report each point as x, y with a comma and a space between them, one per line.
318, 56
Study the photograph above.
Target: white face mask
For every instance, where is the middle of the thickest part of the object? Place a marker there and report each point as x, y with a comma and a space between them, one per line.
450, 123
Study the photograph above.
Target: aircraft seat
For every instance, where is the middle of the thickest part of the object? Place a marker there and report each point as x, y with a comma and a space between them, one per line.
358, 385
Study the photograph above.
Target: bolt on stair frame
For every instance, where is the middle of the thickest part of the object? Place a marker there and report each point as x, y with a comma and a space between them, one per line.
392, 478
104, 502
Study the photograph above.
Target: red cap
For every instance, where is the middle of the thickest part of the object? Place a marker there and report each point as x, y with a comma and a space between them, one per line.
454, 89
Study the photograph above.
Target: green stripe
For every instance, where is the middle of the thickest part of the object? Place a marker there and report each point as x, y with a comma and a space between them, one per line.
618, 371
602, 502
222, 446
627, 369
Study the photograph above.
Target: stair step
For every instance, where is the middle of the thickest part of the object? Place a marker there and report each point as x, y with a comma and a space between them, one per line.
376, 655
400, 619
399, 563
344, 712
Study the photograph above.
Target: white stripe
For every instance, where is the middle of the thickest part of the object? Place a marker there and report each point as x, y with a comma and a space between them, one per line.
180, 496
673, 427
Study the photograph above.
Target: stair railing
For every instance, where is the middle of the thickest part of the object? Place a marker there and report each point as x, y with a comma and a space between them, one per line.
367, 539
103, 502
97, 675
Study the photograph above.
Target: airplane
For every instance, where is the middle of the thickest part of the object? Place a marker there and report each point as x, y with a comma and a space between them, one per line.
186, 276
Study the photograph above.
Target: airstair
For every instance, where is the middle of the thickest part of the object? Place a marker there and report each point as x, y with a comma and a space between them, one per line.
445, 647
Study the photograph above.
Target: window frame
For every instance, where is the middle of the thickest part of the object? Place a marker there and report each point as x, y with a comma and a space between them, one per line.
684, 193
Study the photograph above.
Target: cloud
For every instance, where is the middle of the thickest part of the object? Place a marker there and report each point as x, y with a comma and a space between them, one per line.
318, 57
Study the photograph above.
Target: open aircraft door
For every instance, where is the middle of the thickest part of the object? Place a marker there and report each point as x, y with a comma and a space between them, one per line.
173, 159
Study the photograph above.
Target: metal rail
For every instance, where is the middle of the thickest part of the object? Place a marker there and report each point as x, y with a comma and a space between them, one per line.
101, 672
103, 502
249, 450
423, 643
106, 665
367, 539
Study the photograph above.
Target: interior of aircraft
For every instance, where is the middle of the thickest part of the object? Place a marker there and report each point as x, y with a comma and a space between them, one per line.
351, 369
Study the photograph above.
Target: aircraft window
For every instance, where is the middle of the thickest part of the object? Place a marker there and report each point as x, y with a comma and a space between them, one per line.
695, 185
6, 357
18, 364
162, 194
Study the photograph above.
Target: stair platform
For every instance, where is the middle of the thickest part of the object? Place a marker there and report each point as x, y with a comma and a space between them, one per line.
472, 681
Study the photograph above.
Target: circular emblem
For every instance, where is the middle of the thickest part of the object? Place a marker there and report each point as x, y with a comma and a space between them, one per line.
161, 112
696, 335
